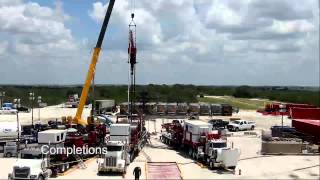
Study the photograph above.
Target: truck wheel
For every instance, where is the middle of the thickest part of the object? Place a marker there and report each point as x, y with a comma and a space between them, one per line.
237, 129
131, 157
40, 177
211, 164
67, 166
190, 152
252, 127
62, 168
194, 155
8, 154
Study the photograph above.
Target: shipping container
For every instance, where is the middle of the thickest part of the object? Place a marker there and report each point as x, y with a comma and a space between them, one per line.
305, 113
308, 127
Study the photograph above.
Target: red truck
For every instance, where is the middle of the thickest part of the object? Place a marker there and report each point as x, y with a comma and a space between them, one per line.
201, 143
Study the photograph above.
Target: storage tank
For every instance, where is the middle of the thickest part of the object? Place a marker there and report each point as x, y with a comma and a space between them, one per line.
9, 130
161, 108
194, 108
172, 108
204, 109
216, 110
182, 109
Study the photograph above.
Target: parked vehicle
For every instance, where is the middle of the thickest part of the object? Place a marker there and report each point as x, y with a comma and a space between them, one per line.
125, 142
30, 166
73, 101
218, 123
201, 143
117, 158
10, 149
9, 131
241, 125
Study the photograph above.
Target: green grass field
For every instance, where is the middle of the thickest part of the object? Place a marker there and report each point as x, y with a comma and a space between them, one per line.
242, 103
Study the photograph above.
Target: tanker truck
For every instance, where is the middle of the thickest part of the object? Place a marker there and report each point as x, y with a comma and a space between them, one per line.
9, 131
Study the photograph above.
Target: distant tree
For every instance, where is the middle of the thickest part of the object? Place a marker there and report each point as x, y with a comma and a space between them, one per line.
243, 92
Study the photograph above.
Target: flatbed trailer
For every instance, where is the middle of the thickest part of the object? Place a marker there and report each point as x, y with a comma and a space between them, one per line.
163, 170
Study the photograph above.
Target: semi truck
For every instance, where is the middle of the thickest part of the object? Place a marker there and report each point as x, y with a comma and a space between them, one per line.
201, 143
34, 163
117, 157
126, 139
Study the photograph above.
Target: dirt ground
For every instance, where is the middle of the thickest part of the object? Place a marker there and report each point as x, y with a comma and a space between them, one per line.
252, 165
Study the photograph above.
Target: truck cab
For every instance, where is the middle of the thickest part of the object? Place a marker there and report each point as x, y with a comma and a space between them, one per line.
217, 154
31, 165
116, 158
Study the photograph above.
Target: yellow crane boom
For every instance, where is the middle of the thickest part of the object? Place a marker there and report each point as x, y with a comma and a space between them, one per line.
92, 67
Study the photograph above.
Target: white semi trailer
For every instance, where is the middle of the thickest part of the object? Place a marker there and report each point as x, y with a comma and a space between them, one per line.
9, 131
117, 157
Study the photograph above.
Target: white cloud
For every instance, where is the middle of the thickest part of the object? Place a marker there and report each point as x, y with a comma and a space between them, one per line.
3, 47
34, 29
183, 41
221, 35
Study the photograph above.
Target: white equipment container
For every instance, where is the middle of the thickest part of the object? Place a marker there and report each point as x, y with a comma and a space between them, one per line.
120, 132
52, 136
9, 130
194, 128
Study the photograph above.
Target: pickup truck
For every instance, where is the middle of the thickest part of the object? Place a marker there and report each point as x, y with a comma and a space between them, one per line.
241, 125
218, 123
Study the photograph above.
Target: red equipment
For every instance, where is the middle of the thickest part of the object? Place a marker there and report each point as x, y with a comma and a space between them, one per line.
274, 108
305, 113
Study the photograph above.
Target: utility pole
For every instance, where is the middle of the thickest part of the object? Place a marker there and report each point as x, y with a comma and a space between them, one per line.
39, 102
31, 98
282, 110
17, 104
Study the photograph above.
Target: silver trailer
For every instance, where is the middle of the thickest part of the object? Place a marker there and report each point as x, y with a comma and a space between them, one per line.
104, 106
216, 109
205, 109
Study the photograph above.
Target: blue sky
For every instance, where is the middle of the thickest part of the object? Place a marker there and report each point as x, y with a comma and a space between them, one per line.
212, 42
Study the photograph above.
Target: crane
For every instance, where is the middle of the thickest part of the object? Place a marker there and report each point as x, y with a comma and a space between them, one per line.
92, 67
